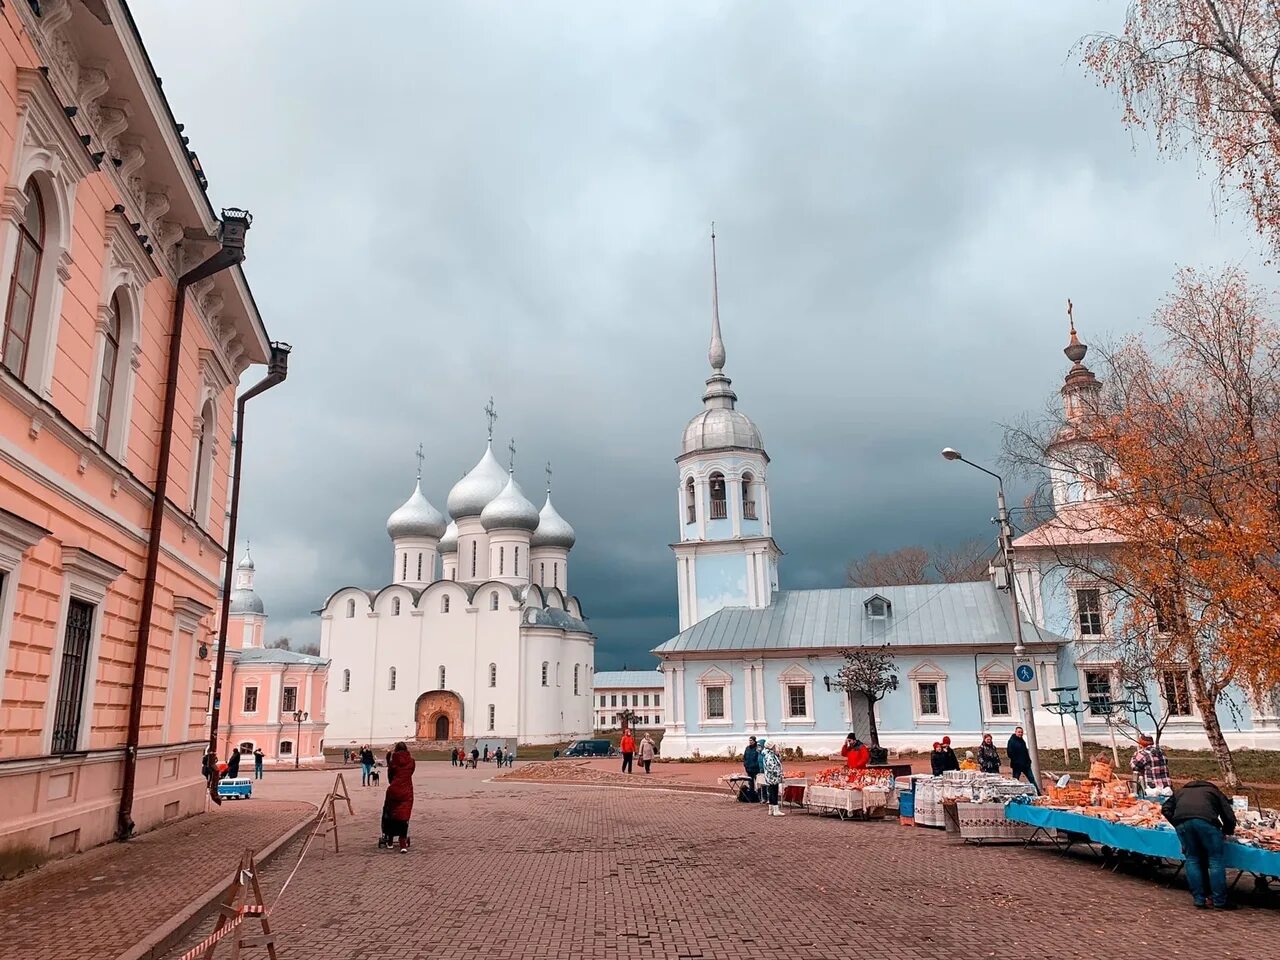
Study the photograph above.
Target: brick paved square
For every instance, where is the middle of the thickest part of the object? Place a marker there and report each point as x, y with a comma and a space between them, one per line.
500, 869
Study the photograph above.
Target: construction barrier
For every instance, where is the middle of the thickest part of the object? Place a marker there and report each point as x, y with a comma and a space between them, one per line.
244, 901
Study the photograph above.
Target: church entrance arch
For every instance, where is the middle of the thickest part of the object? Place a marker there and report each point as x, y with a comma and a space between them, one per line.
438, 716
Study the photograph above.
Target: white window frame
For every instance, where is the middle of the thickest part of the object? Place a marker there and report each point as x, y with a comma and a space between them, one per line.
493, 715
48, 149
286, 748
1112, 670
391, 678
998, 672
346, 681
1194, 715
1103, 619
715, 677
546, 667
17, 536
87, 578
493, 674
795, 676
929, 672
244, 698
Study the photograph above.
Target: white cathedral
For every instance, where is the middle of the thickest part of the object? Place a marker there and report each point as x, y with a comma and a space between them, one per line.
476, 637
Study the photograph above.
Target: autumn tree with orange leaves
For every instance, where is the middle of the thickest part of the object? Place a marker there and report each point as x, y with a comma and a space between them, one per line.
1181, 524
1204, 74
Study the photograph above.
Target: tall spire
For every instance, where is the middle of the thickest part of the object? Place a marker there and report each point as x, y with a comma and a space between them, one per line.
716, 353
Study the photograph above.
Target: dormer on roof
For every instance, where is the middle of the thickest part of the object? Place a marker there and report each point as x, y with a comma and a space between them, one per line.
877, 607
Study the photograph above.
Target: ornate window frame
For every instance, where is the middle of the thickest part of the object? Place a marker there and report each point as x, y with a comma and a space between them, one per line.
126, 272
17, 536
794, 676
48, 149
997, 671
715, 677
929, 672
85, 577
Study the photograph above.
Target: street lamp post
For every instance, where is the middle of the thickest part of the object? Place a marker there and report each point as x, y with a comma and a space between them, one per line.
1019, 649
298, 717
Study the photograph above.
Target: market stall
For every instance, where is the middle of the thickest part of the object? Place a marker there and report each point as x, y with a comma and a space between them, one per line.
968, 803
862, 794
1114, 821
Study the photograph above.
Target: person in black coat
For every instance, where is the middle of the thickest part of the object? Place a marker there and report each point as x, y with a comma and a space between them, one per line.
751, 764
1202, 815
233, 765
950, 760
937, 759
1020, 759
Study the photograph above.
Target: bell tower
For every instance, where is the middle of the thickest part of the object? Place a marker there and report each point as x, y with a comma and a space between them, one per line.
725, 555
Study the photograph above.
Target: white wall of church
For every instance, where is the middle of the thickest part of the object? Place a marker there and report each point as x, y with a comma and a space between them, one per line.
471, 644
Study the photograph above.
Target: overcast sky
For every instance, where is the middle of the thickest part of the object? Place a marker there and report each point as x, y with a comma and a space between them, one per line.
454, 200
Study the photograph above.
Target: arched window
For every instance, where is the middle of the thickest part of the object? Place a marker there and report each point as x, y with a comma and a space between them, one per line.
748, 498
444, 604
492, 711
473, 559
419, 567
286, 748
555, 574
542, 573
346, 681
690, 503
493, 600
395, 606
575, 679
107, 381
493, 674
544, 672
351, 608
719, 501
441, 677
515, 563
404, 566
20, 315
203, 464
391, 679
502, 561
557, 673
246, 746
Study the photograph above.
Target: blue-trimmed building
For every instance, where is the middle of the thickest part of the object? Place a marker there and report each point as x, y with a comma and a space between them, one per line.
750, 659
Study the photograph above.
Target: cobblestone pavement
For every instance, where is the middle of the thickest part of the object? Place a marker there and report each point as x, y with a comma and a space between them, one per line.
503, 869
96, 905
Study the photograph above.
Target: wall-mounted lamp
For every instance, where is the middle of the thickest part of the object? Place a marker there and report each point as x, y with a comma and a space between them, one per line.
827, 680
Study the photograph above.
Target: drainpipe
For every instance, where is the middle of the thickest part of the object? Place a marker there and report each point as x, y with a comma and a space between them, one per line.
277, 370
231, 236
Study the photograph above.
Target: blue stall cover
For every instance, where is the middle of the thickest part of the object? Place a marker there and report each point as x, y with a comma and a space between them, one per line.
1144, 840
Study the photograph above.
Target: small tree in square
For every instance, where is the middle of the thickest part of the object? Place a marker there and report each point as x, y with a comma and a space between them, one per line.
871, 673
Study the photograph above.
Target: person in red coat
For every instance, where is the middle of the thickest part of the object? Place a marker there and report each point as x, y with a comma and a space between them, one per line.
397, 807
628, 747
855, 753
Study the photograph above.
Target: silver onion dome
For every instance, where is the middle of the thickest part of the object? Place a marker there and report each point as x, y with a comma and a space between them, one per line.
416, 518
718, 428
510, 510
247, 562
449, 542
245, 600
553, 529
473, 492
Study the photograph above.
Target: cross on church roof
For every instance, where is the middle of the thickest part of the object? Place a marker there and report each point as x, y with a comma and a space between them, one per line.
548, 469
421, 456
492, 414
511, 462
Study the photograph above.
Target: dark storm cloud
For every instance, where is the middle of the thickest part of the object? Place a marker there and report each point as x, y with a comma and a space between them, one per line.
458, 200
